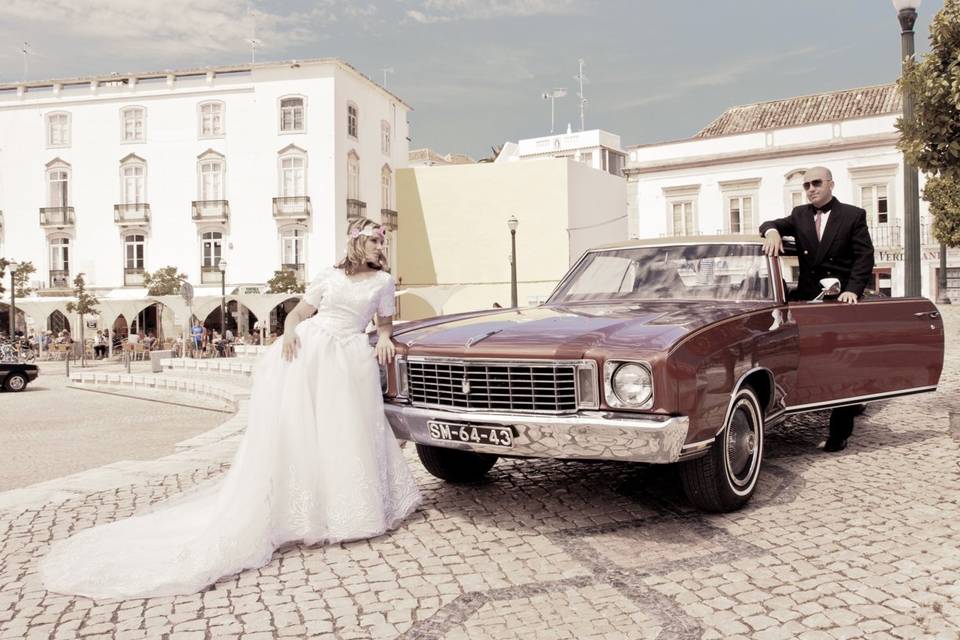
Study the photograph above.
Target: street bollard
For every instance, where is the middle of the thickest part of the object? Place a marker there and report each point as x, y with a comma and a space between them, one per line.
68, 363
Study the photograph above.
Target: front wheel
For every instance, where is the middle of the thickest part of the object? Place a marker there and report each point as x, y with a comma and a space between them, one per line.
16, 382
455, 465
725, 478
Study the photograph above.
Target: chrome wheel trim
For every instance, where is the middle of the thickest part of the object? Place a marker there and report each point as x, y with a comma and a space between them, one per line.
17, 383
743, 445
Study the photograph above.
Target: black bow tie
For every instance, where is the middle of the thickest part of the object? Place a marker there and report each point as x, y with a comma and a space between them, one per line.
823, 209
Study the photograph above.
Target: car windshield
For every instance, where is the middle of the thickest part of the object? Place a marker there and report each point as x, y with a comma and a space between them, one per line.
708, 271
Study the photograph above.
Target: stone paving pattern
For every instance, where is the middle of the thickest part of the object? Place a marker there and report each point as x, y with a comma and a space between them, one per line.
860, 544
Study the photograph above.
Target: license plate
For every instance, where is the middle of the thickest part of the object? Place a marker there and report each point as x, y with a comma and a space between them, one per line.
471, 434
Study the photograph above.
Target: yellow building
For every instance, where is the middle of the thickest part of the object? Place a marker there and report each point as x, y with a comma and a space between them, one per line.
454, 243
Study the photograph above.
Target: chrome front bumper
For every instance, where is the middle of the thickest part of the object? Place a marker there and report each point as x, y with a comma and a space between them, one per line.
588, 435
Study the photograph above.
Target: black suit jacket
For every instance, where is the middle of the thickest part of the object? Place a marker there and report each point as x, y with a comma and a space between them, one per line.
845, 252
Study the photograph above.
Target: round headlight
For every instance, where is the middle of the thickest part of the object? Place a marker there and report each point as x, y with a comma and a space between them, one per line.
632, 384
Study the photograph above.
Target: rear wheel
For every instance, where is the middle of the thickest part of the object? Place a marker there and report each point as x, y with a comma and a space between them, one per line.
455, 465
725, 478
16, 382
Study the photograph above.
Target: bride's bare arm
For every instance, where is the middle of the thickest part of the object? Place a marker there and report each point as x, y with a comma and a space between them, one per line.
385, 349
291, 343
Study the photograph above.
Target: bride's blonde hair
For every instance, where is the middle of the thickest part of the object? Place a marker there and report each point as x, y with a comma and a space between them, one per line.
356, 254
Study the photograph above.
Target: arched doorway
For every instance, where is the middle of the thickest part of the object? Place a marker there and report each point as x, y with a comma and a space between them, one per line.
213, 320
278, 315
57, 322
120, 331
147, 321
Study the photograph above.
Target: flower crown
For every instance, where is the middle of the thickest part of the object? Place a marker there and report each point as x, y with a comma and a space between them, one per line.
369, 232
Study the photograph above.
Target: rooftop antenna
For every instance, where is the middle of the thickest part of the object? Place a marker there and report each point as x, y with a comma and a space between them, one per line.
386, 70
552, 96
252, 40
26, 51
583, 101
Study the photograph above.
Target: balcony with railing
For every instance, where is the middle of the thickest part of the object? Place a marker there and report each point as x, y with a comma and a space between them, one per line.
58, 217
891, 236
59, 279
356, 209
137, 213
388, 218
210, 210
299, 270
210, 275
291, 207
133, 277
886, 236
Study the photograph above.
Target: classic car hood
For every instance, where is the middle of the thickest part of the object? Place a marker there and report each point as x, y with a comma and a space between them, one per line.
569, 331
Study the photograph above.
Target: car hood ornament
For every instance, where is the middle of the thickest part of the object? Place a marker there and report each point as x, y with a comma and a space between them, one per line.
483, 336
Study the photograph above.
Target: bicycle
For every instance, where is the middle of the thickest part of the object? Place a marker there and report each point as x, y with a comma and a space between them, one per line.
19, 351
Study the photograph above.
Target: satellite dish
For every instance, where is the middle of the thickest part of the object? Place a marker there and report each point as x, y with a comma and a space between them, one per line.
186, 290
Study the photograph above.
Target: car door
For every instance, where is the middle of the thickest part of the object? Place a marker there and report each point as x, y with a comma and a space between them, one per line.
876, 348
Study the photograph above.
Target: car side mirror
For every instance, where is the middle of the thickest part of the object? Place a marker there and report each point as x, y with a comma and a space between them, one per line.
830, 287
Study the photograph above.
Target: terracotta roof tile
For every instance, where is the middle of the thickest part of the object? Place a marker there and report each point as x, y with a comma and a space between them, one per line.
792, 112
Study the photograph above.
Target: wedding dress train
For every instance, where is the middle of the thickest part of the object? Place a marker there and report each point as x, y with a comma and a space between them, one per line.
318, 464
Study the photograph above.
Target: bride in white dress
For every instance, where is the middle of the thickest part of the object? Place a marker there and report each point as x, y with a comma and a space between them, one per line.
318, 462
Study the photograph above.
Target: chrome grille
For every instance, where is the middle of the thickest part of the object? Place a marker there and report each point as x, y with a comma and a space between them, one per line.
495, 386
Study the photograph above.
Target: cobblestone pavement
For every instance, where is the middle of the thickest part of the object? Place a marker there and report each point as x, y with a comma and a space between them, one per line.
860, 544
50, 430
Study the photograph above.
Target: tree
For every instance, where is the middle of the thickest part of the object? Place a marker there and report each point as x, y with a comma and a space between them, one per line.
21, 279
943, 194
932, 141
85, 305
163, 282
285, 281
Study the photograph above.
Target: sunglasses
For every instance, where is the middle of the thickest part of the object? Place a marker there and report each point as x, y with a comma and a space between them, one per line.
813, 183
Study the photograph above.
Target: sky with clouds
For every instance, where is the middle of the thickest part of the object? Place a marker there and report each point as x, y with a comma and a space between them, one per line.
474, 70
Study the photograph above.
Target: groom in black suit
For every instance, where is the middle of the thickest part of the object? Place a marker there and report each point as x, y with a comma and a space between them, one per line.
833, 241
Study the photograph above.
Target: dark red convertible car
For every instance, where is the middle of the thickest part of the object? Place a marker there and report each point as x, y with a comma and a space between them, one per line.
671, 351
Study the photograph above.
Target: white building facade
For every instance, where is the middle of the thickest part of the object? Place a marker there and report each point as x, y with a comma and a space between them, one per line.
747, 166
257, 165
595, 148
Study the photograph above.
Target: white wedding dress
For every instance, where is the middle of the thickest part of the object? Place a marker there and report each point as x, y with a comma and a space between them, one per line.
318, 464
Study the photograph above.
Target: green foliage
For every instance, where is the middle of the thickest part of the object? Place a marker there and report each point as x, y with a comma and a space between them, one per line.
285, 281
943, 194
932, 141
21, 279
163, 282
86, 302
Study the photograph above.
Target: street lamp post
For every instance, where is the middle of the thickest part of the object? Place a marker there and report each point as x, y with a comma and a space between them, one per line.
13, 266
907, 15
512, 224
223, 298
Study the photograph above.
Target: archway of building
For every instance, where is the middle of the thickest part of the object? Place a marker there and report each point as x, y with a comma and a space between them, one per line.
278, 315
57, 322
120, 329
21, 322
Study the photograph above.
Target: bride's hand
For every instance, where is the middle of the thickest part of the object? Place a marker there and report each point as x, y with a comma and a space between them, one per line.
291, 344
385, 350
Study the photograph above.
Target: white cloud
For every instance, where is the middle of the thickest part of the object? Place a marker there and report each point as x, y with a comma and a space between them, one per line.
434, 11
172, 28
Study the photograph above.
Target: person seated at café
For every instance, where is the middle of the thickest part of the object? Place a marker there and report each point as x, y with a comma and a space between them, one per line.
218, 342
150, 340
100, 345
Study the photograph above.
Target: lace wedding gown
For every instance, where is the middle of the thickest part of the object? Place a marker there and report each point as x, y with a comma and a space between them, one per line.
318, 464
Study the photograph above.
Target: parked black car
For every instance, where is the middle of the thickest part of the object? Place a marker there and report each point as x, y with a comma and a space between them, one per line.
14, 376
